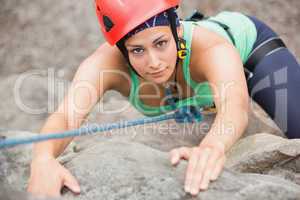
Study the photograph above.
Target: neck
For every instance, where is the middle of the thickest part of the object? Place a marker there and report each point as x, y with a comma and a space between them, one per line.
173, 80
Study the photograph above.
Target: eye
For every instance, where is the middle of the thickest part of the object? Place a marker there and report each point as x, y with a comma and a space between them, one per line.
161, 43
137, 51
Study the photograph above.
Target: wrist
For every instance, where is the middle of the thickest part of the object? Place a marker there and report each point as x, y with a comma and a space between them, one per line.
214, 144
41, 161
42, 156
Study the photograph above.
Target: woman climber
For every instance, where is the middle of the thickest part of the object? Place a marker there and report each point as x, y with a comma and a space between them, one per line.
165, 64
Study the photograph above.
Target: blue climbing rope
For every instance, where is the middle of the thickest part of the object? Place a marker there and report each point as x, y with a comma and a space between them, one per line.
184, 114
84, 130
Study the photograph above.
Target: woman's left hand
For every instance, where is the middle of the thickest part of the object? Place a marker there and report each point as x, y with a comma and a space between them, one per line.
205, 164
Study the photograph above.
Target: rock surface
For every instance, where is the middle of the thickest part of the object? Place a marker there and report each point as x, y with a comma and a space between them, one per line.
127, 170
143, 152
46, 34
122, 168
267, 154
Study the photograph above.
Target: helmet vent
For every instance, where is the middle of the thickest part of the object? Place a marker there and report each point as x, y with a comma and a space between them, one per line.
107, 23
98, 9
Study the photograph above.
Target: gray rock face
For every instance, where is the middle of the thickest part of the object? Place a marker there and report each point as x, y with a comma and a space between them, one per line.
48, 34
124, 168
28, 99
267, 154
133, 163
127, 170
8, 193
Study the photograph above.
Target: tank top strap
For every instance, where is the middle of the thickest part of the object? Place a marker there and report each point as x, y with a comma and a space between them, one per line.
187, 36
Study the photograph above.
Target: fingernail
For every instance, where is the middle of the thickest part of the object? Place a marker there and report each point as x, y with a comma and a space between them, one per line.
203, 187
194, 191
173, 160
187, 188
77, 189
213, 178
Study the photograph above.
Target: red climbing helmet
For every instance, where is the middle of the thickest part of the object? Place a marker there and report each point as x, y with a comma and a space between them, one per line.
119, 17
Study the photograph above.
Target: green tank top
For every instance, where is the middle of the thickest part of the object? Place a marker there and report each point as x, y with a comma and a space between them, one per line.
242, 28
244, 34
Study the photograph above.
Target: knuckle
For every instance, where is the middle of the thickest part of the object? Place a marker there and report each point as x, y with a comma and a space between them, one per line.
223, 160
198, 174
210, 166
182, 149
173, 152
196, 150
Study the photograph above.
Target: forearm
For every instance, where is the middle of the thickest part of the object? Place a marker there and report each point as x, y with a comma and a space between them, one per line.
227, 127
52, 148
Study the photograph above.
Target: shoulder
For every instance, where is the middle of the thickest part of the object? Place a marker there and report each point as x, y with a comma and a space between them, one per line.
108, 57
108, 64
204, 39
203, 43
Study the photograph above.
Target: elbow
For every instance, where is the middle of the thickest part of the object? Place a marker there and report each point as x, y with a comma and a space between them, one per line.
244, 117
246, 120
241, 111
246, 108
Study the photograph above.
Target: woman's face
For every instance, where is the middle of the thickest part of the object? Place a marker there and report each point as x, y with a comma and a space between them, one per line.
153, 54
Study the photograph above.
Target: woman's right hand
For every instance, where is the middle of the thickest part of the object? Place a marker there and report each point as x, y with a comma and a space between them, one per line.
48, 176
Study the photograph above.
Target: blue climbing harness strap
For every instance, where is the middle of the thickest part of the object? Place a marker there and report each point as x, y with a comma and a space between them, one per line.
184, 114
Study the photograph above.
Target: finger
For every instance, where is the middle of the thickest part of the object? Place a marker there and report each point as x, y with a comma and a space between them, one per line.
179, 153
218, 168
70, 182
190, 168
198, 171
210, 166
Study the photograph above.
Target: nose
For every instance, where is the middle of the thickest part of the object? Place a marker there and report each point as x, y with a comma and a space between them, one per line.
154, 62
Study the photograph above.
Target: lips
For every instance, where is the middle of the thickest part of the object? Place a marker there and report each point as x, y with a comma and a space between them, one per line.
157, 73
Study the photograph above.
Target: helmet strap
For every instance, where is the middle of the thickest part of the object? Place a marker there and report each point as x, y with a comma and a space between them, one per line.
180, 43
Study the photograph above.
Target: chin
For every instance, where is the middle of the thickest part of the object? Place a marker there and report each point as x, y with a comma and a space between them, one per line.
161, 79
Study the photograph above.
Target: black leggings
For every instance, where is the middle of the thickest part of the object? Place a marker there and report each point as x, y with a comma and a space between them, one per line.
275, 84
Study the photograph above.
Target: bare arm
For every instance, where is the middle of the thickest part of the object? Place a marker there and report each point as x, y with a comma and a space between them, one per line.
224, 70
85, 90
221, 65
